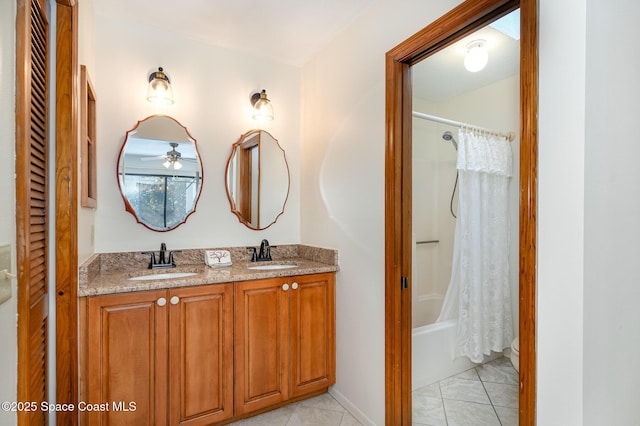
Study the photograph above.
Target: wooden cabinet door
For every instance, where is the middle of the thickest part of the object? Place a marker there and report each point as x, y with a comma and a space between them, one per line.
261, 344
312, 332
200, 354
127, 358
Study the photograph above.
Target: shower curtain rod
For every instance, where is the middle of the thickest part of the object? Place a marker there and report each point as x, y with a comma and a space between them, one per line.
510, 136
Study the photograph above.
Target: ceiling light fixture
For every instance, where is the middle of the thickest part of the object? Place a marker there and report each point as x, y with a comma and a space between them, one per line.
477, 56
159, 90
262, 108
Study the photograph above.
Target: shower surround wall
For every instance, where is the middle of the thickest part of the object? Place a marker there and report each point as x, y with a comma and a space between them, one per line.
434, 175
495, 106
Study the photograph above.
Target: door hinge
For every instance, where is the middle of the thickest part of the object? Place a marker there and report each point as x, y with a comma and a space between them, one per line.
404, 283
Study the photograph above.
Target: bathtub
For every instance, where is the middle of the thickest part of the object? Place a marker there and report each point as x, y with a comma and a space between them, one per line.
433, 350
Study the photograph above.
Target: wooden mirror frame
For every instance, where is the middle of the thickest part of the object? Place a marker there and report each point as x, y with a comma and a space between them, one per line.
460, 21
127, 204
243, 207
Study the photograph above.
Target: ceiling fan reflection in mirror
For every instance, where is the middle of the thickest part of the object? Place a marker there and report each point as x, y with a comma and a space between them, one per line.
173, 159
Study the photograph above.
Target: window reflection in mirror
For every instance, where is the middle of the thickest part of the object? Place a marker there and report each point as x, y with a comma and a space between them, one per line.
160, 173
257, 179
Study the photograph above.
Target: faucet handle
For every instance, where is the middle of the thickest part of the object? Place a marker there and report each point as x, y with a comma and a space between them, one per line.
171, 261
254, 254
153, 258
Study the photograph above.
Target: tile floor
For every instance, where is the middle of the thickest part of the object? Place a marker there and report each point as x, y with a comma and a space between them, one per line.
486, 395
319, 410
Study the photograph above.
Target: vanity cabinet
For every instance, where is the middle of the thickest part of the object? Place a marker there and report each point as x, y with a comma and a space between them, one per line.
205, 354
284, 339
160, 357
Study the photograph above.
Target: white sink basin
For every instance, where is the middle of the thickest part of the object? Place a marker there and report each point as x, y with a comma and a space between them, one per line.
271, 267
163, 276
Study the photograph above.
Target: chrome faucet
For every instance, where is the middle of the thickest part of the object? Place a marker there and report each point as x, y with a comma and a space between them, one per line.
162, 262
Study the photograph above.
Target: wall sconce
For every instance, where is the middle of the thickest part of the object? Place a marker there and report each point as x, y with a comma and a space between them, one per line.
262, 108
477, 56
159, 90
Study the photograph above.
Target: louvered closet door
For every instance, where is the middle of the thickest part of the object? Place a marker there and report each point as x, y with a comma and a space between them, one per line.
31, 204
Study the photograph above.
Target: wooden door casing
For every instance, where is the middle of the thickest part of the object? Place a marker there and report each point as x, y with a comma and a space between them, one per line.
66, 207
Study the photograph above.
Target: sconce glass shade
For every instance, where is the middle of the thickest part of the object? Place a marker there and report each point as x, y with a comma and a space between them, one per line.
477, 56
262, 108
159, 90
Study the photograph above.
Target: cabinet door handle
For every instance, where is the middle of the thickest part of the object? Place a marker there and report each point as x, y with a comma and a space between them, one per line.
174, 300
285, 287
162, 301
294, 286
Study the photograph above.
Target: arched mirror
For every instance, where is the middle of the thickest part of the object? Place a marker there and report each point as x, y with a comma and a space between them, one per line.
257, 179
160, 173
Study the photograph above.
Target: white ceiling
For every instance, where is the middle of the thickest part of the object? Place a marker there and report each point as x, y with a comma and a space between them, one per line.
290, 31
442, 76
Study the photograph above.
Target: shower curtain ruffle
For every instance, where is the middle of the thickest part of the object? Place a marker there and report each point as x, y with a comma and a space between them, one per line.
482, 152
479, 289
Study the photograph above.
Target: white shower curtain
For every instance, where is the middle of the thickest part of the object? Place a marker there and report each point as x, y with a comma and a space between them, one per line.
478, 293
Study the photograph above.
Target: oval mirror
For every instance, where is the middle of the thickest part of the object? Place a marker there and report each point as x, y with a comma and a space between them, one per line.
160, 173
257, 179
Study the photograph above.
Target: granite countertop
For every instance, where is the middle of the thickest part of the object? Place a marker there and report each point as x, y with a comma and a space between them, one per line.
109, 273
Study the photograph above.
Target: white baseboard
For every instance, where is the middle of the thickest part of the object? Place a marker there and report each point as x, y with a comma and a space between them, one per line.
352, 409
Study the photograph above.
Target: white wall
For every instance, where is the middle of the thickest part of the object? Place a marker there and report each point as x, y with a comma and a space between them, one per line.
342, 187
86, 56
588, 338
612, 214
212, 87
8, 310
560, 212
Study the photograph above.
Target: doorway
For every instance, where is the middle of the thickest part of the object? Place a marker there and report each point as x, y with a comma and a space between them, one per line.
464, 19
